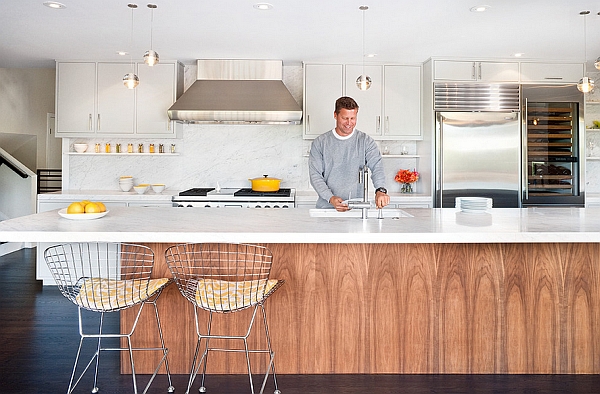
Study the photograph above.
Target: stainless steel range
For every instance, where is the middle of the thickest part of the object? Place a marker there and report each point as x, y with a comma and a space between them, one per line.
235, 198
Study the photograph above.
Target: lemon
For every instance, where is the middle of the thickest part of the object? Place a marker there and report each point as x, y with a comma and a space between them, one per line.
92, 207
75, 207
85, 202
101, 205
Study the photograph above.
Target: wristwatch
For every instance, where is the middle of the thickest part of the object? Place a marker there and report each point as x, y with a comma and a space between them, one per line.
381, 189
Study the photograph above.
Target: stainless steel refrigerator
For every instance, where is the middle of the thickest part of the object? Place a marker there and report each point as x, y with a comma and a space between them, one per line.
479, 155
478, 143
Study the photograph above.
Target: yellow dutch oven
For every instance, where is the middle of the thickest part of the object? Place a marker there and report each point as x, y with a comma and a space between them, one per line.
265, 184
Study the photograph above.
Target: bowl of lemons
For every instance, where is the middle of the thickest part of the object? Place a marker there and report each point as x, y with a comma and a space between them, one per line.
84, 210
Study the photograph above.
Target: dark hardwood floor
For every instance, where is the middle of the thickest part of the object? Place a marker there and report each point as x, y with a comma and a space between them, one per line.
39, 337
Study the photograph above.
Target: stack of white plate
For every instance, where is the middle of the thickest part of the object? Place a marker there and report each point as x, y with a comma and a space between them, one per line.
473, 204
126, 183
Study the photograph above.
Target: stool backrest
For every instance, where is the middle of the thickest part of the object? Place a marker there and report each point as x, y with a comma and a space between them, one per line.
202, 270
101, 276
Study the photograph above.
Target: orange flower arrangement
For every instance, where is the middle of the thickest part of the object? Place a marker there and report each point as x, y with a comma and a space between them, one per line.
407, 176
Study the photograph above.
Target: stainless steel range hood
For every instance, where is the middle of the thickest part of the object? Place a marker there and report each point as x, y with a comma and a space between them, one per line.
237, 91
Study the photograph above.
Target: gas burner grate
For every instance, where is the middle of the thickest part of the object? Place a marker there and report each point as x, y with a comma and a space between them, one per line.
248, 192
197, 191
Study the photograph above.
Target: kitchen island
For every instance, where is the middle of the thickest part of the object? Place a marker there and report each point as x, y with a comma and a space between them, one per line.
439, 291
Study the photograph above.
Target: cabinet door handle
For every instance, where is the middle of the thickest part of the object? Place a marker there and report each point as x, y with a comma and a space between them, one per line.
169, 125
555, 78
378, 130
479, 70
90, 122
98, 123
387, 125
307, 124
473, 71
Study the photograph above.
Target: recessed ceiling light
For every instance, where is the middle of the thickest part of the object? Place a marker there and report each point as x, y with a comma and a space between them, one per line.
371, 55
480, 8
122, 53
54, 4
263, 6
518, 54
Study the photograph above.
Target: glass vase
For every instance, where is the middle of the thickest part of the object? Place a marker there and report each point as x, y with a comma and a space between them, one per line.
406, 188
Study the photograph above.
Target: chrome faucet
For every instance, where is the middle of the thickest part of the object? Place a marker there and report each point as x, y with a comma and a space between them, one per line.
363, 178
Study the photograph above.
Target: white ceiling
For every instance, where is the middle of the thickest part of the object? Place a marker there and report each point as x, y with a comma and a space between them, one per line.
402, 31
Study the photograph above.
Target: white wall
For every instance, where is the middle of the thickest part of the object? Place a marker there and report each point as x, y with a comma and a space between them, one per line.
26, 97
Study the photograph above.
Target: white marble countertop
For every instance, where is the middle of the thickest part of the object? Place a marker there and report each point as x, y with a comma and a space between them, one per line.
448, 225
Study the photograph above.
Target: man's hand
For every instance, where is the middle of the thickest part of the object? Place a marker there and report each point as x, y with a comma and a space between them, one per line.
381, 199
338, 204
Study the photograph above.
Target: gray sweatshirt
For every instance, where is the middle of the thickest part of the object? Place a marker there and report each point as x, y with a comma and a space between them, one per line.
334, 163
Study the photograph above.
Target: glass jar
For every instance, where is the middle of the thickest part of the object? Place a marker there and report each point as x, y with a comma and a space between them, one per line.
129, 148
140, 148
97, 148
161, 148
107, 148
151, 148
118, 148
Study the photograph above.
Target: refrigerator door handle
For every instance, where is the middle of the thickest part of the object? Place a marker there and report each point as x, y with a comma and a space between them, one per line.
525, 155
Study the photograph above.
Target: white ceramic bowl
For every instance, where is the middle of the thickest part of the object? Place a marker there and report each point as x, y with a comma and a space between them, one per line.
158, 187
125, 186
80, 148
140, 189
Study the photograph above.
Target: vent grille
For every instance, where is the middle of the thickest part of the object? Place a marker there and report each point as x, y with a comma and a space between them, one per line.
476, 97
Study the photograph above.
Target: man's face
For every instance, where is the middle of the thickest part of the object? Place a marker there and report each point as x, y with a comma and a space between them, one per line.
345, 121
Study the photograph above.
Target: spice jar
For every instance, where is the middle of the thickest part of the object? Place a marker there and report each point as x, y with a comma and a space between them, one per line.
118, 148
97, 148
151, 148
161, 148
140, 148
107, 148
172, 148
129, 148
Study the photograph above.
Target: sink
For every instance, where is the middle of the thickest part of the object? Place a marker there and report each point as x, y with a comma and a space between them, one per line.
392, 213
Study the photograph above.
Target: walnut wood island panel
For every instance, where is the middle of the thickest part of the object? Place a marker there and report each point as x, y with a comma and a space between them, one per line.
516, 292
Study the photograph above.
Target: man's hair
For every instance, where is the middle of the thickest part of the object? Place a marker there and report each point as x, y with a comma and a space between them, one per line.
345, 103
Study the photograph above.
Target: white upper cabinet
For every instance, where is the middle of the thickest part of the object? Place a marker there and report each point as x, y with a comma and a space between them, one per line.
370, 101
76, 98
116, 114
154, 97
323, 84
402, 102
92, 100
389, 110
551, 72
482, 71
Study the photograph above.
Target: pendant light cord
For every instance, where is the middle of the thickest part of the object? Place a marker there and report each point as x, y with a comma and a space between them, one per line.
132, 6
363, 8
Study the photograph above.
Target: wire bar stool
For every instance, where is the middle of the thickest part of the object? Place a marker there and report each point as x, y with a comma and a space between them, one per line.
108, 277
225, 278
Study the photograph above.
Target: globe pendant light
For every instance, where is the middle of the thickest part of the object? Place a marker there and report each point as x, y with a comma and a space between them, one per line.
363, 81
130, 80
585, 84
151, 57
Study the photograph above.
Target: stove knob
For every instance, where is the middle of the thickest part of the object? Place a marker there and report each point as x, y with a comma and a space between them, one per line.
257, 206
190, 206
275, 206
207, 206
284, 206
180, 205
267, 206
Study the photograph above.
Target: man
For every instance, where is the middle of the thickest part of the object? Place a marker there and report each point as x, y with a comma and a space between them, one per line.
337, 156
